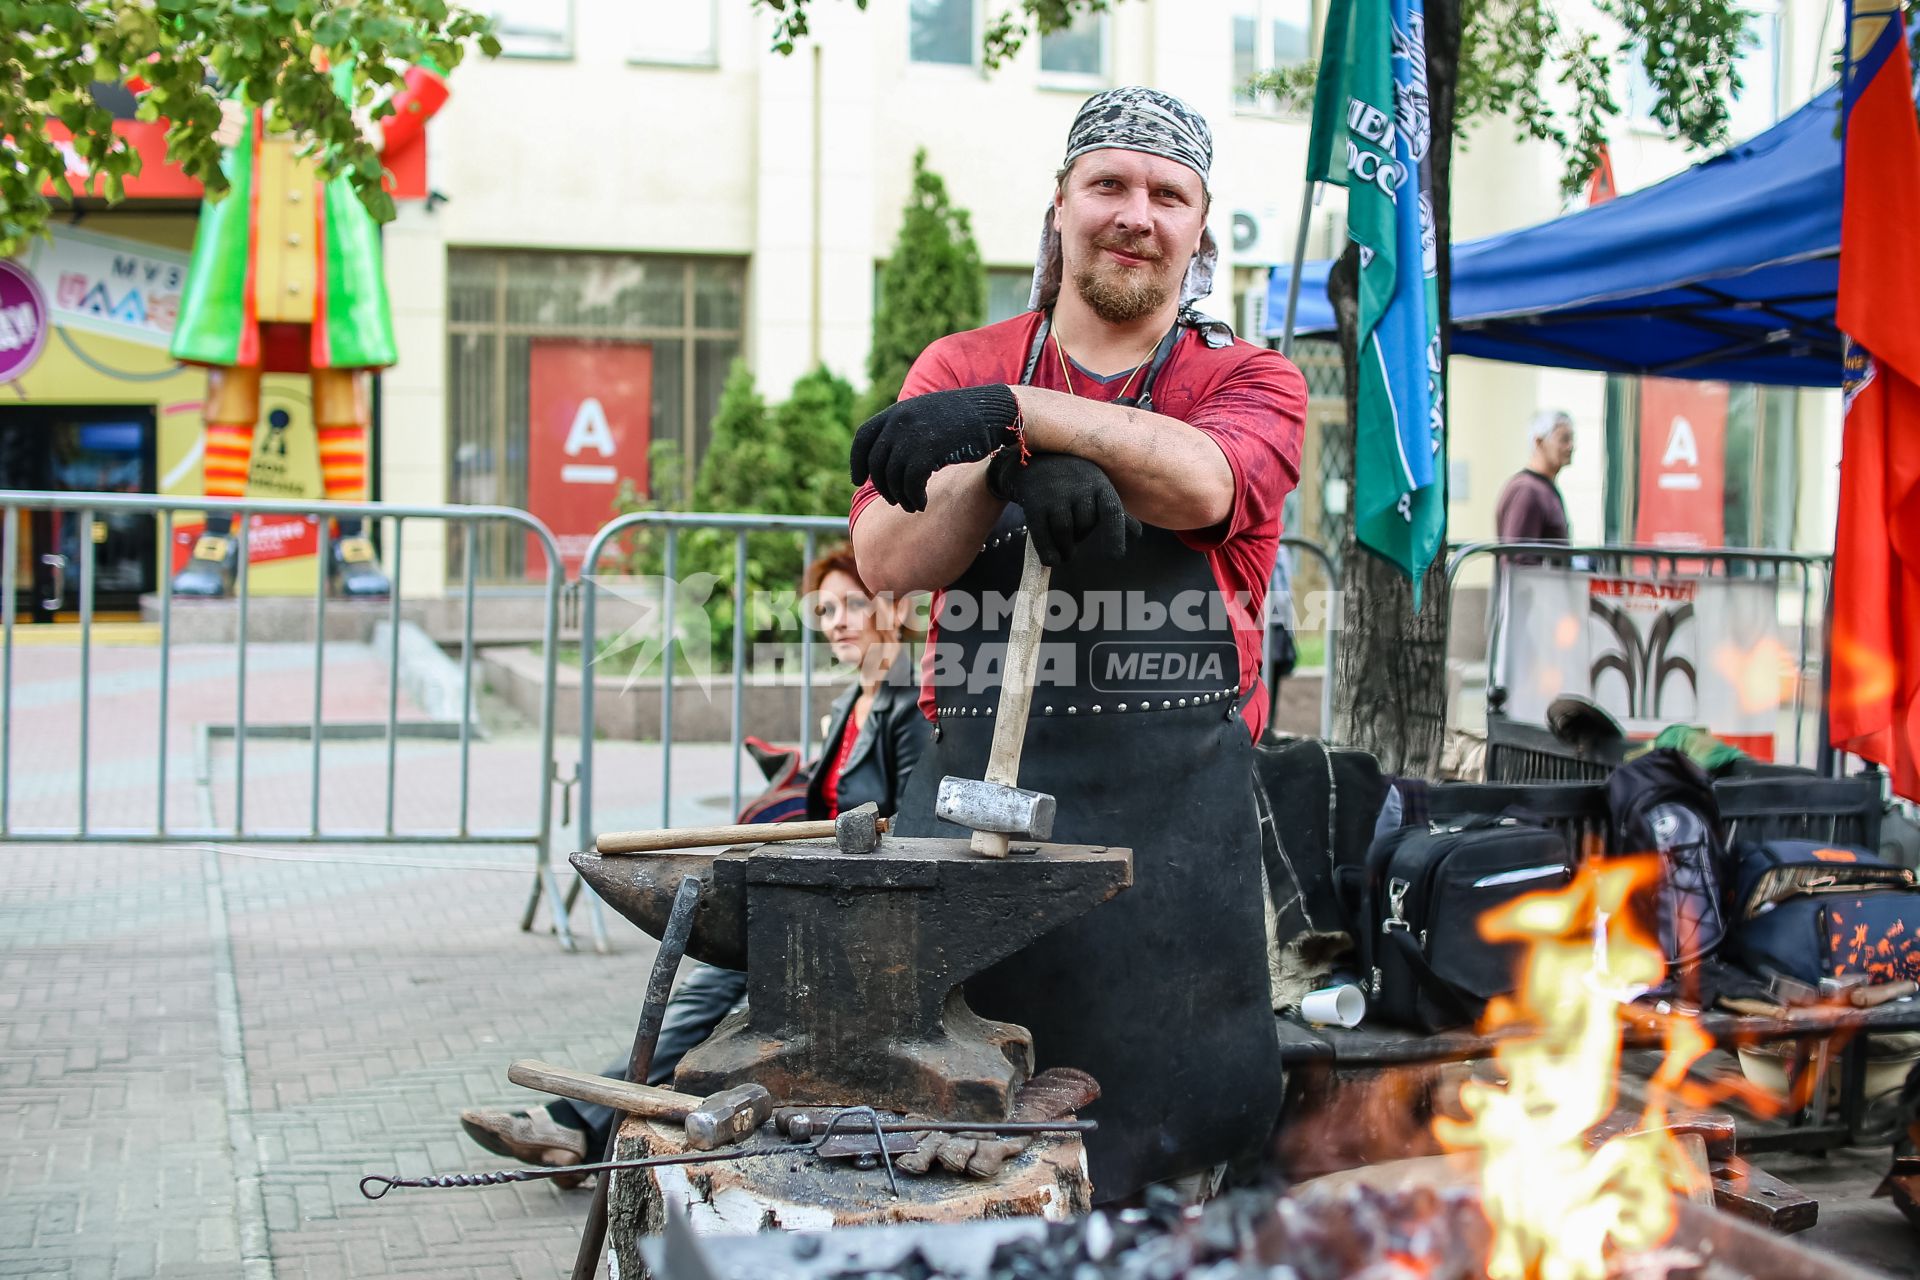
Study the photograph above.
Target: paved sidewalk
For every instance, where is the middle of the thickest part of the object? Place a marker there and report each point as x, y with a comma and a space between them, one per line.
201, 1053
204, 1047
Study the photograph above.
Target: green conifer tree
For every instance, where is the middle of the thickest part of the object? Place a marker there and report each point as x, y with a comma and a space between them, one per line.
932, 285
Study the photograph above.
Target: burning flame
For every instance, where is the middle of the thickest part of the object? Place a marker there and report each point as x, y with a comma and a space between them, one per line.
1559, 1207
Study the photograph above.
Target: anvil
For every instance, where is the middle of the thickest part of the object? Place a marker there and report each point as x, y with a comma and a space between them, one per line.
854, 961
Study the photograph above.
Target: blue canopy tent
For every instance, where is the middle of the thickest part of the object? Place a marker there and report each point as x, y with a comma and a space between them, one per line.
1726, 271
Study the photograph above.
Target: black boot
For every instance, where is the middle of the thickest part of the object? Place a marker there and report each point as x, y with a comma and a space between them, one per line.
208, 574
356, 566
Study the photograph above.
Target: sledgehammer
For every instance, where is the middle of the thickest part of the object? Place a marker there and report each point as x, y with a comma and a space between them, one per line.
726, 1117
996, 807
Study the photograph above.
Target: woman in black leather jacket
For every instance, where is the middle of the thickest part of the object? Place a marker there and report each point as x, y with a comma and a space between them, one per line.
875, 731
875, 734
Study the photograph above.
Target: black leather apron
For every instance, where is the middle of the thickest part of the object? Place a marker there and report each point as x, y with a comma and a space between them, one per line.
1161, 993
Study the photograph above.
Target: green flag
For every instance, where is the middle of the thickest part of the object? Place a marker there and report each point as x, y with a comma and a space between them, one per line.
1370, 135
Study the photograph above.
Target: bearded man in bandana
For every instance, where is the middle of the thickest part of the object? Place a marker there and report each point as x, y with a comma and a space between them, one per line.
1146, 453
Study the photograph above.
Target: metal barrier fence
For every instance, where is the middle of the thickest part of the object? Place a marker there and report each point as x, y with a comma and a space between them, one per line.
672, 525
1529, 751
1331, 568
392, 519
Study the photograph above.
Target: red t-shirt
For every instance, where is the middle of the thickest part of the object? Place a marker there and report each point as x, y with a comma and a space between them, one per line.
1250, 400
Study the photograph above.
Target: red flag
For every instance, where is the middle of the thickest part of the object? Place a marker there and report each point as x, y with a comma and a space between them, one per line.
1874, 691
1600, 185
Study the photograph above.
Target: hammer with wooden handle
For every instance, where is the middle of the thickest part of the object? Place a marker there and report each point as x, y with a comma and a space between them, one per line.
858, 830
963, 800
727, 1117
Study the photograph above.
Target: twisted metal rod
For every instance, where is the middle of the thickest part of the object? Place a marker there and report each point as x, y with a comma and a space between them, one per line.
503, 1176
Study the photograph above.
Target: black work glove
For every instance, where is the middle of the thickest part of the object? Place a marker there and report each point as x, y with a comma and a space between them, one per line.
905, 443
1067, 500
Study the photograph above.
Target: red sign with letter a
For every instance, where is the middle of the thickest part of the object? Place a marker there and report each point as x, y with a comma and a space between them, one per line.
1683, 477
589, 414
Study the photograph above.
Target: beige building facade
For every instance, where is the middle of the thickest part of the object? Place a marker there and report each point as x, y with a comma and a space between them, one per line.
647, 174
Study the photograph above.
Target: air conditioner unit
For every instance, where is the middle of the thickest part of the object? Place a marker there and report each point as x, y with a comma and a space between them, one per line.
1261, 237
1253, 309
1327, 238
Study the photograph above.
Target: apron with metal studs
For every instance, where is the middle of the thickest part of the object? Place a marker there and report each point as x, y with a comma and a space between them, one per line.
1160, 993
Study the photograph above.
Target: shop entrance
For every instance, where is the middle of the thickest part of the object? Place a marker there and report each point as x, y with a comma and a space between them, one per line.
80, 448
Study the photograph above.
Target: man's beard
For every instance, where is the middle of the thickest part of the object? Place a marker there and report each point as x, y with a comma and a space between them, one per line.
1120, 295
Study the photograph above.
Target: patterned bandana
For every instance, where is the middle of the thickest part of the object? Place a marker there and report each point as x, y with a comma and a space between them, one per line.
1141, 119
1133, 118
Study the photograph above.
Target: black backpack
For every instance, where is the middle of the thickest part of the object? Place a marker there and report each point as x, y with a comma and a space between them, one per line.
1663, 803
1416, 914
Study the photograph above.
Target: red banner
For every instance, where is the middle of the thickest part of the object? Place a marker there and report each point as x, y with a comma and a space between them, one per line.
1683, 479
589, 414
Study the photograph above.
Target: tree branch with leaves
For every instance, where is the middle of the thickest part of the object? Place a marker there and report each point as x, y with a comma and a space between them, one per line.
191, 55
1513, 54
1004, 36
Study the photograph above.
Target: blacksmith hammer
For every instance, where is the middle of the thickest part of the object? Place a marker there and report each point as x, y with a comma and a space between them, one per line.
729, 1116
858, 830
995, 807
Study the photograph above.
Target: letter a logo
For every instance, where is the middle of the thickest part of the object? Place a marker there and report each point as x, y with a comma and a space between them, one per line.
1682, 447
590, 430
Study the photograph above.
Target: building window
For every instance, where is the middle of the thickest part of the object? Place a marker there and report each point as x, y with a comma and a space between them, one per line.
1008, 289
942, 31
1268, 34
533, 28
1076, 57
676, 32
689, 311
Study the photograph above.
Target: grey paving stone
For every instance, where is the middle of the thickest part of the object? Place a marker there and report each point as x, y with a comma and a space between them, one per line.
379, 988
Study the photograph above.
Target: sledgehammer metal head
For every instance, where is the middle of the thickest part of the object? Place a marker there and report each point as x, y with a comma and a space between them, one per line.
858, 829
993, 806
728, 1117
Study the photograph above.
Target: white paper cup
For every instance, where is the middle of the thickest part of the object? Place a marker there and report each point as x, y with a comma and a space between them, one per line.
1341, 1006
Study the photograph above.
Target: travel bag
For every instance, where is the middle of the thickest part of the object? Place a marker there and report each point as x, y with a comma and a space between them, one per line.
1663, 803
1417, 908
1809, 911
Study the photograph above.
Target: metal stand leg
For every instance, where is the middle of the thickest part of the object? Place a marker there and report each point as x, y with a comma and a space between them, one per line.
1853, 1088
557, 904
533, 904
596, 916
666, 961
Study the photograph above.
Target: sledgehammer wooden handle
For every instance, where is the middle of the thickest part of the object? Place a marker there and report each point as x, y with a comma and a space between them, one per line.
1024, 629
622, 1095
705, 837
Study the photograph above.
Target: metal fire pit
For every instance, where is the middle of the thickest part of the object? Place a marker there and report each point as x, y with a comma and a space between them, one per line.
1163, 1242
854, 962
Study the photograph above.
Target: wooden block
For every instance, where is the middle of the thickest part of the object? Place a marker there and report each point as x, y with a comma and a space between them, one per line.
1715, 1128
1699, 1173
791, 1191
1758, 1196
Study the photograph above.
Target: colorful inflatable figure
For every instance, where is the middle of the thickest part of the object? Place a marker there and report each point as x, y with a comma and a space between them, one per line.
286, 278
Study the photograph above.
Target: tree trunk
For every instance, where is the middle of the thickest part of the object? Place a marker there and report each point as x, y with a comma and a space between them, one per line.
1390, 691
